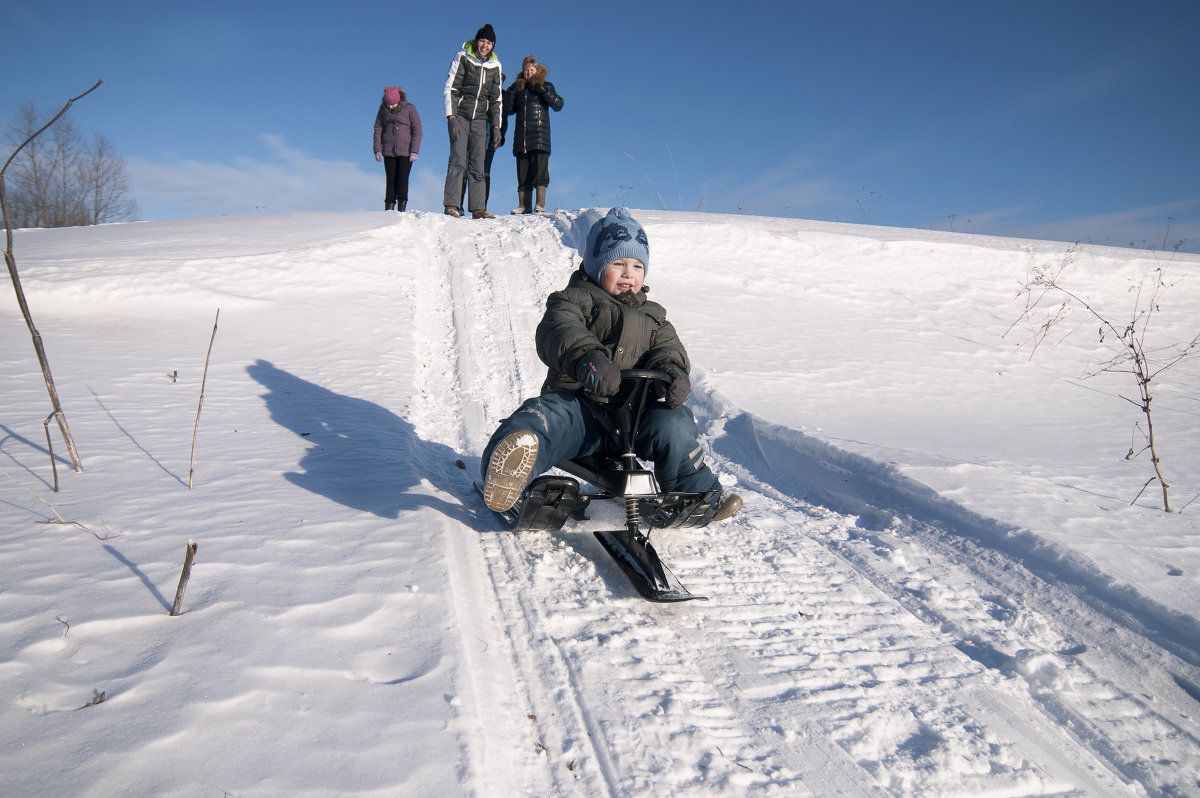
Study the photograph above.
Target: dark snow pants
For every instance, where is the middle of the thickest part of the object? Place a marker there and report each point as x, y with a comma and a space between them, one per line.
396, 169
533, 169
565, 429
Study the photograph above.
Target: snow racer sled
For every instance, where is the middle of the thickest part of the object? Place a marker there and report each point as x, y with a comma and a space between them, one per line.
616, 473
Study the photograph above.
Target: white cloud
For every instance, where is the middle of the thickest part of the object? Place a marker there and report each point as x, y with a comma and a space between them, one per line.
286, 180
1144, 228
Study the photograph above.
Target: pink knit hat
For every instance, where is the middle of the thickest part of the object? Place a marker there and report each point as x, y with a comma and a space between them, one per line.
391, 96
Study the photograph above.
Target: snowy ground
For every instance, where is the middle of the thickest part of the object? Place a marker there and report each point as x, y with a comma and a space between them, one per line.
938, 585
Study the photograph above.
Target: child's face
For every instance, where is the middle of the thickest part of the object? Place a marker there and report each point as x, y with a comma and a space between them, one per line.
623, 274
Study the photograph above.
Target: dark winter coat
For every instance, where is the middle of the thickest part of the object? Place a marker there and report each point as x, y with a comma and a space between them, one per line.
473, 87
398, 132
632, 331
531, 102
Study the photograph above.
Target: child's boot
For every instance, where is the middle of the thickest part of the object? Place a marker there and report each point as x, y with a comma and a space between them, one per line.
727, 505
508, 470
541, 200
523, 207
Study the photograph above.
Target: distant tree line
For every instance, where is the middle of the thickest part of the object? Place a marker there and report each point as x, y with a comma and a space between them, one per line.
64, 179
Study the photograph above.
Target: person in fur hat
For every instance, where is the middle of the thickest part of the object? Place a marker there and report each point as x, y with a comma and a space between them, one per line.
397, 142
601, 323
530, 99
472, 96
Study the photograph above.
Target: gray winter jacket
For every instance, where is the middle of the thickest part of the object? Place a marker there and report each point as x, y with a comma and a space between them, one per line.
473, 87
631, 330
398, 133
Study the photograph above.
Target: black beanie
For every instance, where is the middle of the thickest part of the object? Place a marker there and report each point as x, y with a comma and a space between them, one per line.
486, 32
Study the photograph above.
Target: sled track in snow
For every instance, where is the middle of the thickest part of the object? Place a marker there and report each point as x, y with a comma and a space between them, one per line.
1085, 658
919, 653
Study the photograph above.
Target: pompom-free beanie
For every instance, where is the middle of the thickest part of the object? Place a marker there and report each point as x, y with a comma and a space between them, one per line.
391, 96
617, 235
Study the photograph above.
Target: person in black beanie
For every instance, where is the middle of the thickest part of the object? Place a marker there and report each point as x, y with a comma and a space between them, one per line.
473, 105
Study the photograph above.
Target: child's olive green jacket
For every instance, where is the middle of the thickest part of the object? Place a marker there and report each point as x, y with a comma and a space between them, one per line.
632, 330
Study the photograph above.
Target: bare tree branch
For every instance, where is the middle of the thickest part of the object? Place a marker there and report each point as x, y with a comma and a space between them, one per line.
11, 261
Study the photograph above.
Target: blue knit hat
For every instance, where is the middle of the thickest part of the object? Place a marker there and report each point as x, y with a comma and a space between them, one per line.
617, 235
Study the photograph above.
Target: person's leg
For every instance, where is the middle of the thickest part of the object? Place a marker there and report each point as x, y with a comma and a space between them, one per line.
389, 190
476, 143
668, 437
403, 169
489, 153
456, 165
524, 186
542, 432
540, 168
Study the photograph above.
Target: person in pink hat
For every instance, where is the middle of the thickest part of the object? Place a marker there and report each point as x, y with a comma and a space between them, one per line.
397, 142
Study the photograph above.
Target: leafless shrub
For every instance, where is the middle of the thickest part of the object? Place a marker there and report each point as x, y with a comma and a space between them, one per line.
1128, 350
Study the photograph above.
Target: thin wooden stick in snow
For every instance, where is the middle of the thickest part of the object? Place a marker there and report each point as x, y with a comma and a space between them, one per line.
188, 559
11, 261
50, 448
61, 520
203, 380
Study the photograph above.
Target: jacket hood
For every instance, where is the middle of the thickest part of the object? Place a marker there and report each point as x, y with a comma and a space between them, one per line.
469, 49
539, 77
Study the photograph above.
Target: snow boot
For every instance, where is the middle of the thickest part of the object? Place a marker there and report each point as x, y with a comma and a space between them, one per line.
541, 200
402, 205
482, 213
512, 462
451, 210
727, 505
387, 206
523, 197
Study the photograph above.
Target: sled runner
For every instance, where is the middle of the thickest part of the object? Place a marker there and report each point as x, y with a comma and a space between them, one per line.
616, 473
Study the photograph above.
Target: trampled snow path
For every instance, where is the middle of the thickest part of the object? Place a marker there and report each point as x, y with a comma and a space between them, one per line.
359, 625
952, 659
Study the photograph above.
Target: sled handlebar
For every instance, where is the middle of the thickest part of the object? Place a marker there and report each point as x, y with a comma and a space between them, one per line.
645, 374
632, 375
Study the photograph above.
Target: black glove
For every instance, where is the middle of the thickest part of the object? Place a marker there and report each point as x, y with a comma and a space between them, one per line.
679, 389
597, 374
540, 88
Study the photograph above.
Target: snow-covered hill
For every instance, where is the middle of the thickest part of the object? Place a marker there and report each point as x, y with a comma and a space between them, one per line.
938, 585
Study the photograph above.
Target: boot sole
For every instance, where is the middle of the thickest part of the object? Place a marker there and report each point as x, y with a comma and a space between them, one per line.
508, 472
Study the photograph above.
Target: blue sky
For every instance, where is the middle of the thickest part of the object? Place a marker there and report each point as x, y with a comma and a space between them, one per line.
1061, 119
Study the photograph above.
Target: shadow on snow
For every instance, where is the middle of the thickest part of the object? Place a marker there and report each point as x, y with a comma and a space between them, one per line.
360, 455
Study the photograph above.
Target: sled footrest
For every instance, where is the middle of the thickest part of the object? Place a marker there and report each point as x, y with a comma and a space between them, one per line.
681, 509
548, 502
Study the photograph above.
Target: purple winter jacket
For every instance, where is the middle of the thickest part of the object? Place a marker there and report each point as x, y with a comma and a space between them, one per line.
398, 133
